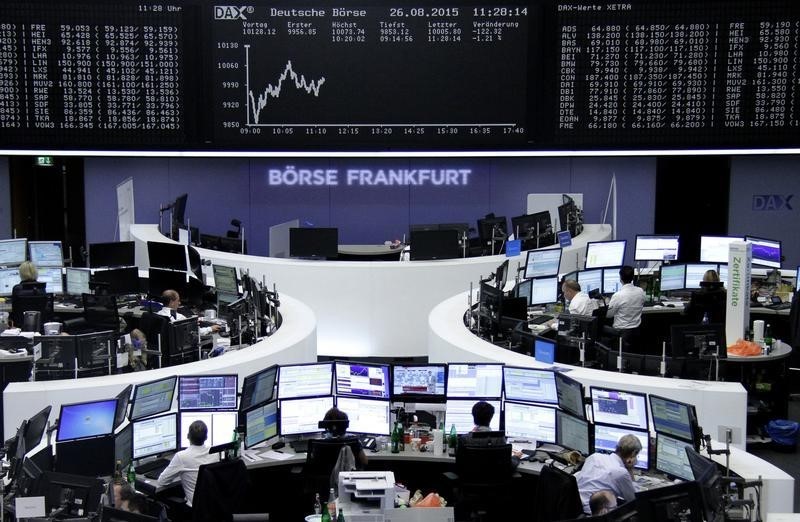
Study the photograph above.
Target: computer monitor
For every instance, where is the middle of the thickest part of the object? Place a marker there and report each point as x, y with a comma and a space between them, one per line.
723, 274
302, 416
673, 277
261, 424
682, 501
605, 254
258, 388
673, 418
474, 380
591, 280
367, 416
671, 457
695, 340
573, 433
714, 249
542, 263
544, 349
77, 281
123, 445
458, 412
606, 438
490, 227
427, 245
529, 421
183, 336
207, 392
220, 424
304, 380
319, 243
362, 380
523, 289
619, 407
570, 395
656, 248
46, 253
529, 385
419, 382
544, 290
86, 419
119, 281
12, 251
611, 281
501, 275
225, 279
53, 280
159, 280
534, 230
123, 400
695, 273
122, 253
706, 474
155, 435
152, 398
34, 429
9, 278
74, 495
171, 256
766, 252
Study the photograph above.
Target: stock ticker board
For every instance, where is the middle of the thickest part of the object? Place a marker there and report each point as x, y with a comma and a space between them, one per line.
535, 75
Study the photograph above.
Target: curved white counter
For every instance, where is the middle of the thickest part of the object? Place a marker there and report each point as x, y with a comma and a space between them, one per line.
294, 342
370, 308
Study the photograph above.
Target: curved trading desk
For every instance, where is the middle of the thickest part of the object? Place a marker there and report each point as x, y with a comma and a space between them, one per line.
370, 309
719, 405
295, 342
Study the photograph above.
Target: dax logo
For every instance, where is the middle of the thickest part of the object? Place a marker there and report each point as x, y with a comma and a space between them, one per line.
231, 12
772, 202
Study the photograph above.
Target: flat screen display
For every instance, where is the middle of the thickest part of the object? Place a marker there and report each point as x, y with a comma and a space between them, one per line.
570, 395
656, 248
86, 419
723, 275
591, 280
714, 249
302, 416
529, 385
225, 280
673, 277
618, 407
123, 401
602, 254
9, 278
314, 242
155, 435
672, 418
606, 438
12, 251
220, 425
531, 422
171, 256
121, 253
766, 252
53, 280
305, 380
152, 398
258, 388
419, 381
474, 380
368, 416
543, 263
459, 413
362, 380
77, 281
207, 392
46, 253
573, 433
671, 457
695, 274
611, 282
261, 424
544, 290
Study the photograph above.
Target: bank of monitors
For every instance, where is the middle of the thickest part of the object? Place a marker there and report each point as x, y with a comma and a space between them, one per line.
362, 380
155, 435
671, 457
419, 382
225, 280
12, 251
171, 256
86, 419
9, 277
695, 340
695, 273
619, 408
476, 380
121, 253
673, 277
258, 388
570, 395
46, 253
542, 263
458, 412
590, 280
673, 418
605, 254
314, 243
766, 252
544, 290
152, 398
529, 385
530, 422
367, 416
220, 425
656, 248
207, 392
574, 433
305, 380
261, 424
302, 416
77, 281
52, 278
714, 249
606, 438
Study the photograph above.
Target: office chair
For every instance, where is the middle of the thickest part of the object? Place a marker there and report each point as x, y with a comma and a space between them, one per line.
222, 493
32, 298
101, 312
711, 301
154, 328
320, 460
557, 496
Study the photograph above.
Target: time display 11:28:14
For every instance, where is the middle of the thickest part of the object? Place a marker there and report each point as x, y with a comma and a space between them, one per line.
500, 11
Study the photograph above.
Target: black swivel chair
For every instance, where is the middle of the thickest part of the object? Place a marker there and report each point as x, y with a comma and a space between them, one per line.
31, 297
320, 461
557, 496
154, 328
222, 493
710, 300
100, 312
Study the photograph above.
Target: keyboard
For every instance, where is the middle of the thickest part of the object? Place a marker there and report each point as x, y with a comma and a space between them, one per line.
153, 468
779, 306
540, 319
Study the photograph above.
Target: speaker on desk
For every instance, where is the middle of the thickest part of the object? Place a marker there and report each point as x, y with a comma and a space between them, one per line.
31, 321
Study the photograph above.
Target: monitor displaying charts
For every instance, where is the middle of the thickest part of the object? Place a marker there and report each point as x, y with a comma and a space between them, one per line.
618, 407
766, 252
261, 424
155, 435
573, 433
695, 273
419, 381
656, 248
474, 380
12, 251
529, 385
542, 263
602, 254
9, 278
207, 392
302, 416
152, 398
591, 280
220, 425
46, 253
673, 418
673, 277
671, 457
714, 249
611, 282
531, 422
77, 281
368, 416
606, 438
305, 380
258, 388
53, 280
362, 380
544, 290
570, 395
458, 413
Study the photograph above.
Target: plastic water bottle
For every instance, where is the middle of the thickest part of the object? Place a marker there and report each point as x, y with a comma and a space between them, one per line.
317, 504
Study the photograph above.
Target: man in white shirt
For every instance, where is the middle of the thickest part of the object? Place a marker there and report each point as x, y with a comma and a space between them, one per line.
185, 463
627, 303
172, 300
579, 302
612, 472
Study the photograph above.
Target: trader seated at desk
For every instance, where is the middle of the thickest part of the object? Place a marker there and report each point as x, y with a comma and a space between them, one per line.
338, 430
482, 413
710, 301
579, 302
186, 463
172, 300
625, 306
613, 472
28, 284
